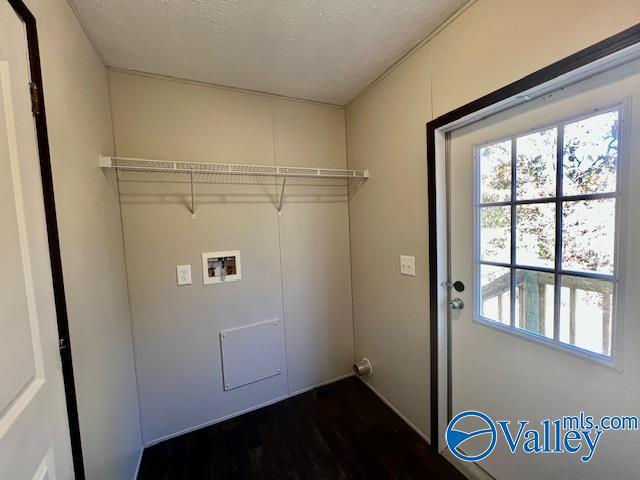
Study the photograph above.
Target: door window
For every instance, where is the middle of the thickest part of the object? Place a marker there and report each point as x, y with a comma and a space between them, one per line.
546, 231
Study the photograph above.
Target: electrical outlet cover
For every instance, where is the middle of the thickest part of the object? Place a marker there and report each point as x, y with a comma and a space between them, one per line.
184, 274
408, 265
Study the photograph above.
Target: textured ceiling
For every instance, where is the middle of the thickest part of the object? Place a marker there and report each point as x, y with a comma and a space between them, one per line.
324, 50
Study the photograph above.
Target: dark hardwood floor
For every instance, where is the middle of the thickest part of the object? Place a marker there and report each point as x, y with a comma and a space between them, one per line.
341, 431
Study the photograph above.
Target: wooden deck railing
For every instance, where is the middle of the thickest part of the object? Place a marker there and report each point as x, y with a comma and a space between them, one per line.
531, 294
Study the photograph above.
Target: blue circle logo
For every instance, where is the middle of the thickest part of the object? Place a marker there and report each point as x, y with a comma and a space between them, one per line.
457, 437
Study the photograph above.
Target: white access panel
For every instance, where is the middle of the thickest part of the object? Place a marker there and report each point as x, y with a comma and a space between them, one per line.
251, 353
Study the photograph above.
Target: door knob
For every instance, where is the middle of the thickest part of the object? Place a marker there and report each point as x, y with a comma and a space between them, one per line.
456, 304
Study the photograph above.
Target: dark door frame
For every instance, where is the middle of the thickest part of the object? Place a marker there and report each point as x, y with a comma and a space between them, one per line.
598, 51
52, 231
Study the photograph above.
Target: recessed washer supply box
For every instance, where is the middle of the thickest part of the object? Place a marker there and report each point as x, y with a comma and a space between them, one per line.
221, 267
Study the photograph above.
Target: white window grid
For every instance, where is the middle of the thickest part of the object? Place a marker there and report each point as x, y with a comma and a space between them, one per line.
557, 271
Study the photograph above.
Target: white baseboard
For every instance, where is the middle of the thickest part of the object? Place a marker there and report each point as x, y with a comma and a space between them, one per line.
322, 384
469, 469
137, 471
242, 412
397, 412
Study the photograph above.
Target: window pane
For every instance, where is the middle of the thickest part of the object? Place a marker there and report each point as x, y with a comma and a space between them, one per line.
535, 234
496, 293
495, 234
534, 302
586, 313
536, 165
590, 156
588, 235
495, 172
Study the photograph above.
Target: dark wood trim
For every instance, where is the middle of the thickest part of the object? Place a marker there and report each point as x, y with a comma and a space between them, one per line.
433, 280
613, 44
52, 234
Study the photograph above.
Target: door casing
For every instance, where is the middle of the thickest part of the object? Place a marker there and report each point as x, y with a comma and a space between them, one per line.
40, 119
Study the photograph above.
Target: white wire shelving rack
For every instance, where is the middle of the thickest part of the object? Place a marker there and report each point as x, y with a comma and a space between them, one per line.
146, 165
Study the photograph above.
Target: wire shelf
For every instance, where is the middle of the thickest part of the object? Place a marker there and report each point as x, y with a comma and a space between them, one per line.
140, 164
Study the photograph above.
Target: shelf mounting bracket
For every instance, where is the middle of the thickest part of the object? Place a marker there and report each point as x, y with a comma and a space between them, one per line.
281, 198
193, 203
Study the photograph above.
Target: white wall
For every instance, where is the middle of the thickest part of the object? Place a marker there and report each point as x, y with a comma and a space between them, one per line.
79, 125
491, 44
295, 267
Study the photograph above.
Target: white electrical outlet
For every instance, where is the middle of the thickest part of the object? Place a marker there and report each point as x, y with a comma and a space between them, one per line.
408, 265
184, 274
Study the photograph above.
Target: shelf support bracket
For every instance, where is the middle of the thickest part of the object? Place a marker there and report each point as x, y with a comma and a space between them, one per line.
193, 203
284, 182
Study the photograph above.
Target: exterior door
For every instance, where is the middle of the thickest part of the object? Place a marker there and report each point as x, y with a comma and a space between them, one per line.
544, 227
34, 436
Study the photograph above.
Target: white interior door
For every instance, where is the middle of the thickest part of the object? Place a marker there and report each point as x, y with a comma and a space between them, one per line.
34, 438
549, 328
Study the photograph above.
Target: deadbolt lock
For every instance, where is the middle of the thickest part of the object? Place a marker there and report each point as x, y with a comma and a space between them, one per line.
457, 285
